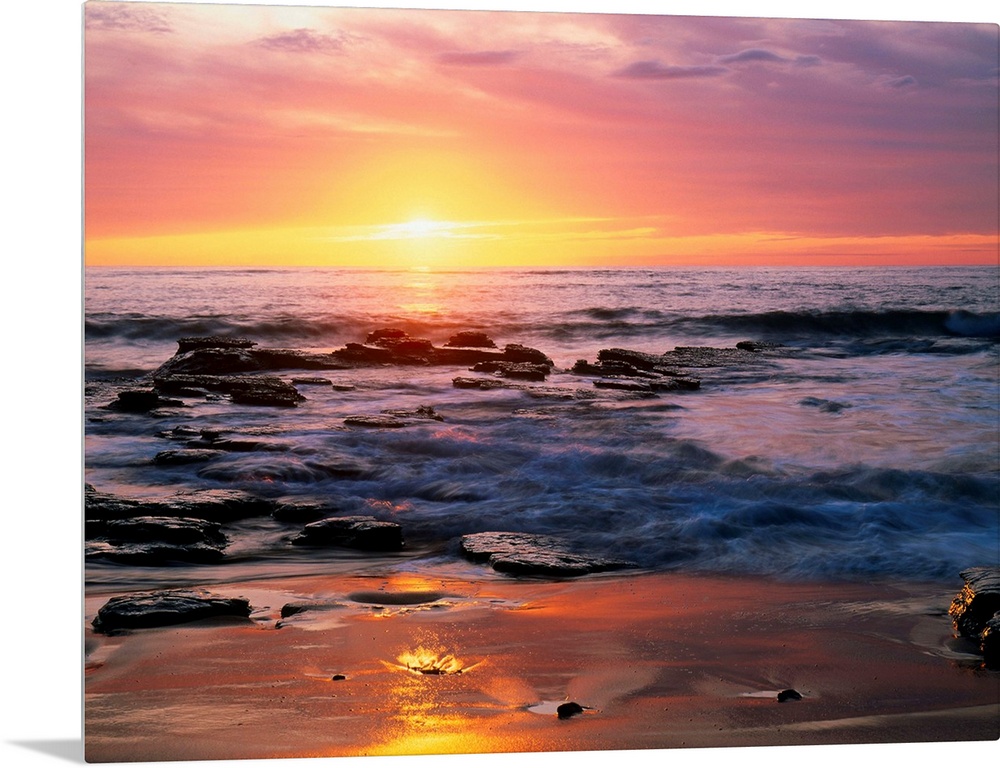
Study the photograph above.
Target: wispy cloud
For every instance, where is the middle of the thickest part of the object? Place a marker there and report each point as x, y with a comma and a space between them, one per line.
478, 58
304, 41
655, 70
127, 18
752, 54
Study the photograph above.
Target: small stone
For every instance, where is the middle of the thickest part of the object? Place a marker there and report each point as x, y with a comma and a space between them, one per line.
339, 677
789, 694
567, 710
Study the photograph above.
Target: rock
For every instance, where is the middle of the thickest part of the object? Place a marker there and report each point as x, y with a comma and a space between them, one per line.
213, 342
517, 353
524, 371
989, 642
568, 709
466, 382
248, 390
978, 601
789, 694
186, 456
353, 532
382, 336
141, 401
153, 554
471, 339
212, 361
529, 554
311, 381
758, 346
381, 421
155, 541
624, 386
221, 506
336, 678
168, 530
420, 412
160, 609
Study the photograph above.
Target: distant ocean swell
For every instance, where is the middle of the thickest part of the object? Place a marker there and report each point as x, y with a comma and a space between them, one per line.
596, 322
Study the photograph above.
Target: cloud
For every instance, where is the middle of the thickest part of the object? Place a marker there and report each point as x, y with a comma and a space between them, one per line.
808, 61
127, 18
752, 54
478, 58
656, 70
901, 82
303, 41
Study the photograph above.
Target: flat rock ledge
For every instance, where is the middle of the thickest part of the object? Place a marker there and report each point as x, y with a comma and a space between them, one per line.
222, 356
161, 609
529, 554
216, 505
245, 390
975, 611
155, 541
352, 532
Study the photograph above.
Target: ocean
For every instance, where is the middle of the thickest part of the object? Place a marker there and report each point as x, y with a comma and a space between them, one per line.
866, 446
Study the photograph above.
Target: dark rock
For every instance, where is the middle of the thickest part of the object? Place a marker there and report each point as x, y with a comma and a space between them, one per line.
517, 353
529, 554
227, 361
186, 456
215, 505
978, 601
466, 382
471, 339
363, 354
311, 381
141, 401
826, 406
989, 642
155, 541
624, 385
153, 553
568, 709
381, 336
524, 371
425, 412
789, 694
642, 361
675, 384
338, 677
758, 346
168, 530
343, 387
380, 421
248, 390
294, 609
213, 342
353, 532
160, 609
709, 357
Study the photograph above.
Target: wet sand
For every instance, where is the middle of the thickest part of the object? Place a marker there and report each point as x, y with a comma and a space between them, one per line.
656, 660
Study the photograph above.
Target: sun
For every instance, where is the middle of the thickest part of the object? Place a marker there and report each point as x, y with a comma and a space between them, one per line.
418, 228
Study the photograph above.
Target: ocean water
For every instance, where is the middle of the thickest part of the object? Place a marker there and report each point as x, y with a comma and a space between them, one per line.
868, 447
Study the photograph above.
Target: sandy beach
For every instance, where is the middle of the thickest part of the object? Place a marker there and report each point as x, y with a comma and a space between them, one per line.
655, 660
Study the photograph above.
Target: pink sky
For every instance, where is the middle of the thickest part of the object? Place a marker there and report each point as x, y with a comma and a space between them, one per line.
229, 134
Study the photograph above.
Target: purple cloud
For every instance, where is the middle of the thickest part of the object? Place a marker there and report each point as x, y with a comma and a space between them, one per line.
752, 54
901, 82
127, 18
478, 58
303, 41
656, 70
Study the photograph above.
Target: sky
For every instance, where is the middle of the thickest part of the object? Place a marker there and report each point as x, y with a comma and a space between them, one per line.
223, 135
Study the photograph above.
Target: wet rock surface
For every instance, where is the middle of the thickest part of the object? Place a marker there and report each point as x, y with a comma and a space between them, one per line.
155, 541
471, 339
529, 554
353, 532
989, 642
160, 609
978, 601
568, 710
221, 505
142, 401
248, 390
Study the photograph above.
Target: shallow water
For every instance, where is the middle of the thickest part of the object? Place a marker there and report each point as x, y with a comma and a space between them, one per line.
868, 447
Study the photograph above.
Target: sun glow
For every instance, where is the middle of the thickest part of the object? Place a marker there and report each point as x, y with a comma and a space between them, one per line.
416, 229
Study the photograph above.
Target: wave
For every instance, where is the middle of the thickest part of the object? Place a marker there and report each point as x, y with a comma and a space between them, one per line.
858, 323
